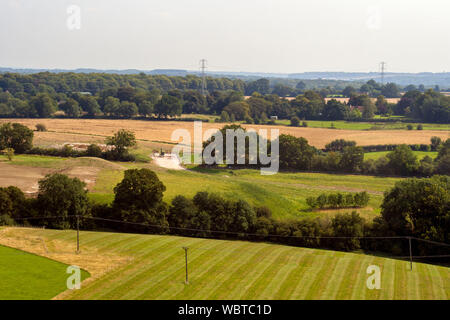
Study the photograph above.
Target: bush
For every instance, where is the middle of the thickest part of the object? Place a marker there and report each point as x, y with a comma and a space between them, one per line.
295, 121
304, 124
94, 150
419, 127
339, 200
409, 127
41, 127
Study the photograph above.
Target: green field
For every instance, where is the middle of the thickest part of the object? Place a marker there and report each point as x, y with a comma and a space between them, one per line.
419, 154
27, 276
351, 125
284, 193
221, 269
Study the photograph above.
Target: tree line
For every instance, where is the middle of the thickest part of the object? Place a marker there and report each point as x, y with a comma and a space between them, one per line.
343, 156
413, 207
128, 96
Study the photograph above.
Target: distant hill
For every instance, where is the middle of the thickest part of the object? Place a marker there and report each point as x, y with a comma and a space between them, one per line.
426, 78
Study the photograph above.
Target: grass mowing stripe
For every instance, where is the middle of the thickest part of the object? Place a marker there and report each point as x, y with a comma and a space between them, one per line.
230, 278
176, 270
198, 279
360, 286
276, 282
374, 294
319, 264
263, 276
388, 280
353, 277
340, 273
142, 273
438, 283
107, 280
445, 276
400, 280
286, 289
220, 271
425, 282
244, 271
198, 269
117, 246
412, 286
316, 287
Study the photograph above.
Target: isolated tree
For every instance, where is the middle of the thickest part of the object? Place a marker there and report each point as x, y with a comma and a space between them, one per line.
62, 197
138, 198
122, 140
295, 121
16, 136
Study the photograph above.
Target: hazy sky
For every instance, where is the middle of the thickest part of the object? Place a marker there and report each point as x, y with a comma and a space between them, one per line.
233, 35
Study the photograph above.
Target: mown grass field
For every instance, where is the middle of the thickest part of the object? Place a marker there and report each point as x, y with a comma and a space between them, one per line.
352, 125
28, 276
220, 269
419, 154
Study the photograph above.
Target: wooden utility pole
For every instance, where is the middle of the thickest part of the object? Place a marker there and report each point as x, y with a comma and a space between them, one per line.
186, 259
410, 254
78, 234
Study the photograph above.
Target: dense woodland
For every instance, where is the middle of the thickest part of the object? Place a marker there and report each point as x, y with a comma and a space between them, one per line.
76, 95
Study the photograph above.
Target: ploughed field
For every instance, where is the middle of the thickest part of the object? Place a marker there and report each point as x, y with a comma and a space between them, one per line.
132, 266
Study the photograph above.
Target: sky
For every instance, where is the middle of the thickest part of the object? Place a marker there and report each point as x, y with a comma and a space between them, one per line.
282, 36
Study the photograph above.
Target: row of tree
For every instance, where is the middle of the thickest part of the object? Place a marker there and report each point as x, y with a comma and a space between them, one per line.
132, 96
341, 156
339, 200
414, 207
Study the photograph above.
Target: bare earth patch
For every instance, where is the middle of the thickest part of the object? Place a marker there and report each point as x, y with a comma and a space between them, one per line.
25, 178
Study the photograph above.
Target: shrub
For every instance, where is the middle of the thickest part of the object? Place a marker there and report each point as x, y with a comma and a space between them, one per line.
419, 127
295, 121
94, 150
304, 124
41, 127
409, 127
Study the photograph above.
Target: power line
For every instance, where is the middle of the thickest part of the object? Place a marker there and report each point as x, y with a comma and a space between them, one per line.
241, 233
203, 67
382, 68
